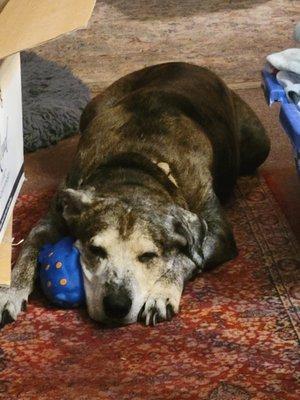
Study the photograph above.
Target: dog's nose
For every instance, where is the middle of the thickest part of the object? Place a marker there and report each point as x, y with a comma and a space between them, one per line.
117, 304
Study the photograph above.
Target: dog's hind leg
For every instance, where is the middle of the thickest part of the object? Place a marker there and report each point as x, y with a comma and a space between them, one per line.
254, 142
14, 299
219, 244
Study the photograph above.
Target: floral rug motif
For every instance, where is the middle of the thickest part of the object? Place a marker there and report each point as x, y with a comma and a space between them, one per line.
236, 337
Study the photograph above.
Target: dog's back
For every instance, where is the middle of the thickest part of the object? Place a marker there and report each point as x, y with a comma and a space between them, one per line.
176, 113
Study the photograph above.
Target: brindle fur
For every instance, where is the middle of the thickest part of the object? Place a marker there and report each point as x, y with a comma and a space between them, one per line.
177, 113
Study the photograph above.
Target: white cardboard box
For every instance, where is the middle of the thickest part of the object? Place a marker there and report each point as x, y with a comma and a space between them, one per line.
23, 25
5, 256
11, 137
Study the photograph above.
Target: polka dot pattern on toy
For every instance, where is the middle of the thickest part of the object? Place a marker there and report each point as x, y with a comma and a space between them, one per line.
60, 273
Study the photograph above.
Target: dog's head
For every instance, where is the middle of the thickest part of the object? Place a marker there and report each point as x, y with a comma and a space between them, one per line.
126, 248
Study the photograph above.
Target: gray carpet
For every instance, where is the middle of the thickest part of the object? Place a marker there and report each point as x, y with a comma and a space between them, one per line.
53, 99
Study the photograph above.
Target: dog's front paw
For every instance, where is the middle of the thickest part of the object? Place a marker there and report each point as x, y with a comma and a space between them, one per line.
161, 305
12, 302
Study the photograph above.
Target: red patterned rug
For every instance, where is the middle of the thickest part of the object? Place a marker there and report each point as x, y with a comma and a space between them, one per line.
236, 337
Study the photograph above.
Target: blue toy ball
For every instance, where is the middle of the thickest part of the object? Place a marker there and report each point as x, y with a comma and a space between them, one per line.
60, 273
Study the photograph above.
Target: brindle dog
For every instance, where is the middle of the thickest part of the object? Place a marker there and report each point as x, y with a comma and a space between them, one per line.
160, 148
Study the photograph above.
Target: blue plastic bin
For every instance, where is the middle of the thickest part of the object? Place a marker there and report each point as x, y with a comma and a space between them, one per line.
289, 114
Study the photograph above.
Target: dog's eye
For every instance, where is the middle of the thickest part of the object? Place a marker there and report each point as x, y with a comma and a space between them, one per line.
98, 251
145, 257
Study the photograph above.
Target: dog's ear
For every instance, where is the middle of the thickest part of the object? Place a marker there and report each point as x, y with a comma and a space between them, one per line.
188, 232
75, 201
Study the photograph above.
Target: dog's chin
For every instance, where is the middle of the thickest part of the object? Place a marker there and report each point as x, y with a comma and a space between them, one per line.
113, 323
100, 317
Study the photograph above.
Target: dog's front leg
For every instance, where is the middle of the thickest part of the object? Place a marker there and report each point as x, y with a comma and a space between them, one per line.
14, 299
164, 298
